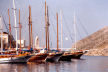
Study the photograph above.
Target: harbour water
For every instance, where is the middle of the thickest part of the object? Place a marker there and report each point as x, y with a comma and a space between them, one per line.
85, 64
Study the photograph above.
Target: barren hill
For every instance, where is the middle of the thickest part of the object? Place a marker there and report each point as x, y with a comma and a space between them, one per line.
97, 43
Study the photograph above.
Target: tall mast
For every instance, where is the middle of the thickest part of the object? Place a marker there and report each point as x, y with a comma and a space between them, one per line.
20, 29
31, 37
15, 25
48, 28
9, 30
57, 31
29, 26
61, 30
1, 34
46, 22
75, 30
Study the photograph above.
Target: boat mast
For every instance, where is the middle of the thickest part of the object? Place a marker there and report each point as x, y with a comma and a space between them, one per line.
31, 36
48, 28
61, 30
20, 27
1, 34
9, 30
57, 31
75, 29
30, 22
46, 22
29, 29
15, 25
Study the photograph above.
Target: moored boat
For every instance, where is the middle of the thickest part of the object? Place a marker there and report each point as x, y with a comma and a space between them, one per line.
67, 56
78, 54
39, 57
53, 57
13, 58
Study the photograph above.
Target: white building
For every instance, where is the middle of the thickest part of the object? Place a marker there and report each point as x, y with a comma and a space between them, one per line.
4, 37
37, 42
22, 43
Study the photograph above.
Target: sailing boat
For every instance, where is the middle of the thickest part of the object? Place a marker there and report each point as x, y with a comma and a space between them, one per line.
40, 56
53, 56
76, 54
10, 56
67, 56
36, 57
45, 54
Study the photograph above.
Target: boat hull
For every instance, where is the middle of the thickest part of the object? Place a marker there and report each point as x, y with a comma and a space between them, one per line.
77, 55
20, 59
38, 57
53, 57
69, 56
66, 57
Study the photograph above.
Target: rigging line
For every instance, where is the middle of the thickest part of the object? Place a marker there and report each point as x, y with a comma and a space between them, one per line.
25, 26
17, 4
42, 33
55, 19
52, 12
39, 31
66, 25
42, 4
5, 25
41, 16
50, 40
53, 16
78, 31
82, 25
3, 10
42, 37
51, 22
67, 28
41, 9
24, 13
53, 27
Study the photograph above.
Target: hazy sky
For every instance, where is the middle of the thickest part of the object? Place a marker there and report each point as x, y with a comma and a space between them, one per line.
91, 15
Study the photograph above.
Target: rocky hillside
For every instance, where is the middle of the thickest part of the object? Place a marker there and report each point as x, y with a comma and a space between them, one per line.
97, 43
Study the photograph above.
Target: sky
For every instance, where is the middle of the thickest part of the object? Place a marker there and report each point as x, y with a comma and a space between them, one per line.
91, 15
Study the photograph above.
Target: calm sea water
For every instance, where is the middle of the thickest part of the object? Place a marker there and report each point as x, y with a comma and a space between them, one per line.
85, 64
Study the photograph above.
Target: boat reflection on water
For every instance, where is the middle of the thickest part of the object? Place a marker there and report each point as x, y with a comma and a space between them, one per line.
75, 67
87, 64
33, 67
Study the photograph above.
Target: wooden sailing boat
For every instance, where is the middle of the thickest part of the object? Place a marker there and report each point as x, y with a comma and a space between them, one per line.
12, 57
37, 57
76, 54
53, 56
67, 56
45, 55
